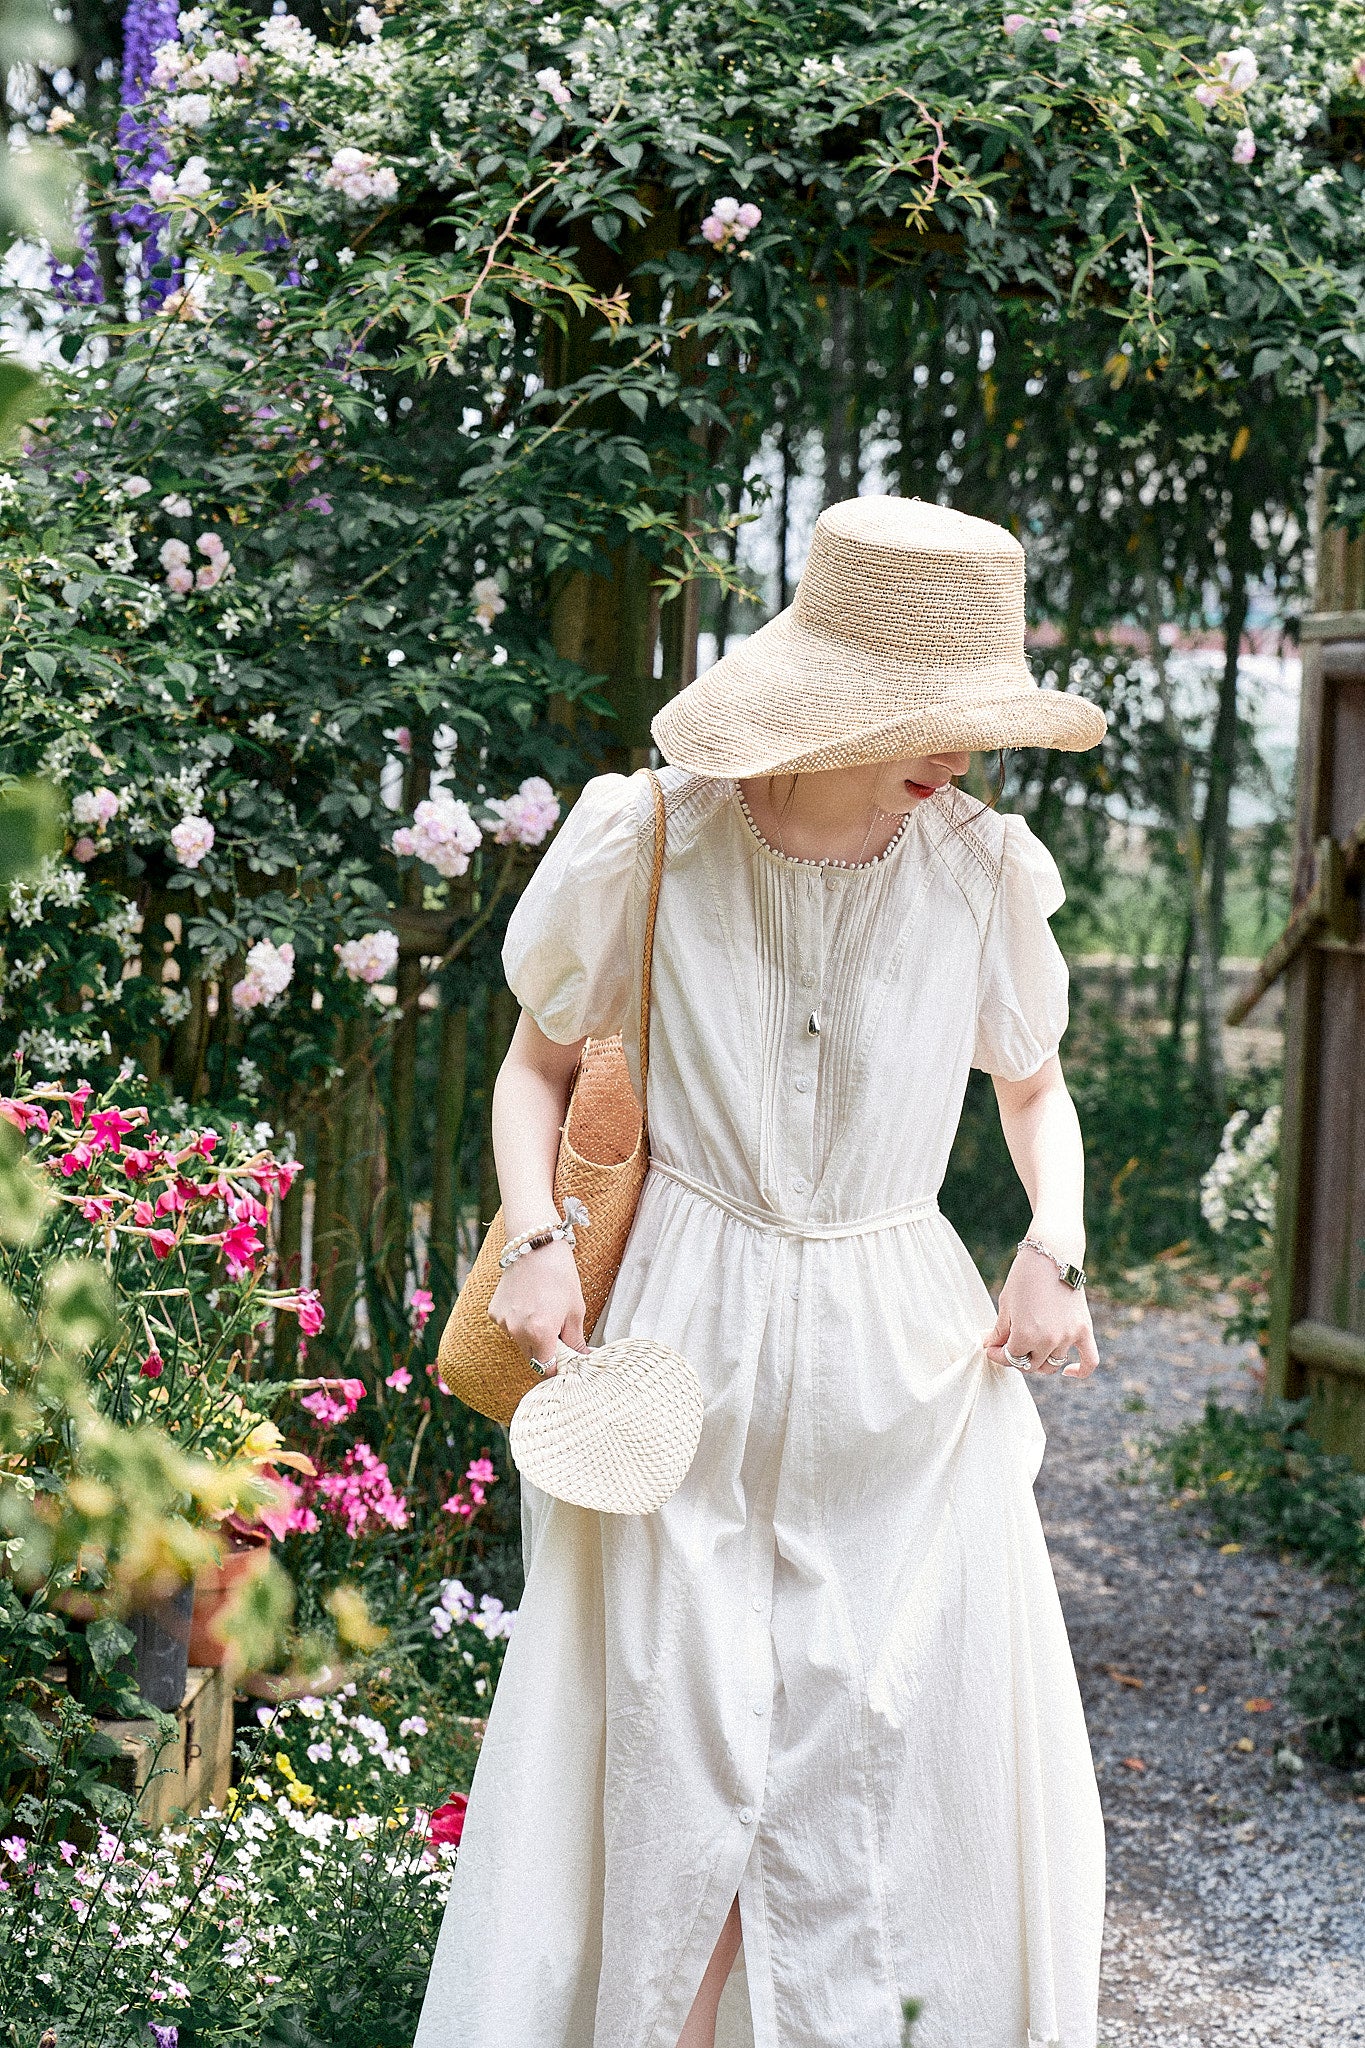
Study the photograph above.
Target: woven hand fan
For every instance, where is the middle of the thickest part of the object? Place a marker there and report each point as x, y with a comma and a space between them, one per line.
614, 1428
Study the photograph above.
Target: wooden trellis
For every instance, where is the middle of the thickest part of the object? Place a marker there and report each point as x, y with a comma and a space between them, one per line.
1317, 1332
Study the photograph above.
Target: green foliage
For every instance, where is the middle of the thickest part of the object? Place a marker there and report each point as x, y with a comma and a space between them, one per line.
273, 1924
1260, 1478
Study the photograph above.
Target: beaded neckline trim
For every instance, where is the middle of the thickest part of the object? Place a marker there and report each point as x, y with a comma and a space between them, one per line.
797, 860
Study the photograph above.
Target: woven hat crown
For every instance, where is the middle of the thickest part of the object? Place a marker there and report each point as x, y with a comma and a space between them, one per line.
924, 584
906, 637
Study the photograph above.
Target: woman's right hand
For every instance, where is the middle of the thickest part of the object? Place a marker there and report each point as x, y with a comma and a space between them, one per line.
538, 1300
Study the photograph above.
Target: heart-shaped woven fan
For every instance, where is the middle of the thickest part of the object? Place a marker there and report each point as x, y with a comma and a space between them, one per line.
614, 1429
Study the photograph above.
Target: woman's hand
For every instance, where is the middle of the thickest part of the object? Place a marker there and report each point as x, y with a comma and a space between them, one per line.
538, 1300
1042, 1319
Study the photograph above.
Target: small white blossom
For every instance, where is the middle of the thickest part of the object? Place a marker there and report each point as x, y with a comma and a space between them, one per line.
442, 833
94, 807
526, 818
488, 601
192, 838
369, 958
269, 971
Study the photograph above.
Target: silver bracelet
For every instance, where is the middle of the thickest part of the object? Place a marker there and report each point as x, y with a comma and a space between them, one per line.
1070, 1276
560, 1231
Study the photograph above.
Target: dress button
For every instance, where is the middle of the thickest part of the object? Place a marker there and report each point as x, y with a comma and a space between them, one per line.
831, 881
808, 981
802, 1084
800, 1183
796, 1294
746, 1814
759, 1707
758, 1604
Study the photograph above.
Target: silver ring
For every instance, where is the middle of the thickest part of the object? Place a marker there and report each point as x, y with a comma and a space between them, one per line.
1010, 1359
1057, 1361
537, 1367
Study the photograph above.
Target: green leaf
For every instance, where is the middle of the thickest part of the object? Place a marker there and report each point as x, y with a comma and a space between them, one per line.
22, 394
636, 402
78, 1309
107, 1641
31, 827
24, 1200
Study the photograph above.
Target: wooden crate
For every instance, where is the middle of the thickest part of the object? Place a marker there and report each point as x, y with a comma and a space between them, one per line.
194, 1769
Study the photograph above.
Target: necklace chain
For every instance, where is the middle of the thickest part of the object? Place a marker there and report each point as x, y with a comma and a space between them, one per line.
876, 812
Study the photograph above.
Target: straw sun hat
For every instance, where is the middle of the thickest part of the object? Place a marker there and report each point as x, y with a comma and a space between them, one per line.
906, 637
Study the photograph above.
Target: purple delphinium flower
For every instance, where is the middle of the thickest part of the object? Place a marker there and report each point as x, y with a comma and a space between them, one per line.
141, 152
164, 2037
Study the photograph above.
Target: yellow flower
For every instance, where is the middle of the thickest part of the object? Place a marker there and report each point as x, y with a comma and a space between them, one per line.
301, 1794
283, 1765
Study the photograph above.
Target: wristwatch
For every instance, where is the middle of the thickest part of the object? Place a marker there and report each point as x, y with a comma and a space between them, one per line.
1069, 1275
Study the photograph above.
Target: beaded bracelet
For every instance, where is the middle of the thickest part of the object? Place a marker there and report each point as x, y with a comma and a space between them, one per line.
561, 1231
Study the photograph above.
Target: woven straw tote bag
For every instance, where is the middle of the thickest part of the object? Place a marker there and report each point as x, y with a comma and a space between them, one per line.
603, 1159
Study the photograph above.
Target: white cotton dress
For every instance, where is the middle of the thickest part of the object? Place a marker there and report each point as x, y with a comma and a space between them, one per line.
831, 1675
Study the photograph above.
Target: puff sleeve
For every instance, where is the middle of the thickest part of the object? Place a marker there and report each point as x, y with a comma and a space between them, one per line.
1022, 992
566, 952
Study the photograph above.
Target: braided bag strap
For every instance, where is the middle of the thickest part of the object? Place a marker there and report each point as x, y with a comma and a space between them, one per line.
660, 838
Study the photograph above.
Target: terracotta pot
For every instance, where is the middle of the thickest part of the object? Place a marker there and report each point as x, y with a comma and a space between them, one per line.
215, 1587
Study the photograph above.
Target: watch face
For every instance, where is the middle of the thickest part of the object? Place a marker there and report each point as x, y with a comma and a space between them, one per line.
1073, 1276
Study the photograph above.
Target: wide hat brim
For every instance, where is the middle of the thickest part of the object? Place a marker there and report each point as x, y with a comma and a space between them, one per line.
789, 700
614, 1429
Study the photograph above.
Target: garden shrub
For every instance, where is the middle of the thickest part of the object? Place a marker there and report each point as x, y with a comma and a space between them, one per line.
1260, 1478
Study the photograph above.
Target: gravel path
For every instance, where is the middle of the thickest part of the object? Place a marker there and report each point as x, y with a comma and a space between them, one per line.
1236, 1890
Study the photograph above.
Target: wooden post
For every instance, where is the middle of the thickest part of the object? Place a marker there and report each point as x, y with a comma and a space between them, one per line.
608, 622
450, 1097
1317, 1324
499, 1025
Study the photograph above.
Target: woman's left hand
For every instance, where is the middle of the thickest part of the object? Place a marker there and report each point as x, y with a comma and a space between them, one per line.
1041, 1320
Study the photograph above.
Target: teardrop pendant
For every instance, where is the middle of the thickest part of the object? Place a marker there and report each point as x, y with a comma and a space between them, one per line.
813, 1025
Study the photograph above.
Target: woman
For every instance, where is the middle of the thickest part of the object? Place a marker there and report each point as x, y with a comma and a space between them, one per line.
807, 1742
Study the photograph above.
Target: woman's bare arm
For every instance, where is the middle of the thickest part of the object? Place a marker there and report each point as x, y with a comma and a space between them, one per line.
538, 1300
1039, 1316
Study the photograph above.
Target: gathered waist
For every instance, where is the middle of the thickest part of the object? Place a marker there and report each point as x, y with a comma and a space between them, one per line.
797, 1226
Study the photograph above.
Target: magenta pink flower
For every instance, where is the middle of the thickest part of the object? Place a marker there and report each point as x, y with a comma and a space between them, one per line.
362, 1492
334, 1400
400, 1379
144, 1215
241, 1249
76, 1160
77, 1100
206, 1143
107, 1129
97, 1209
162, 1242
22, 1114
152, 1365
420, 1308
458, 1505
306, 1304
